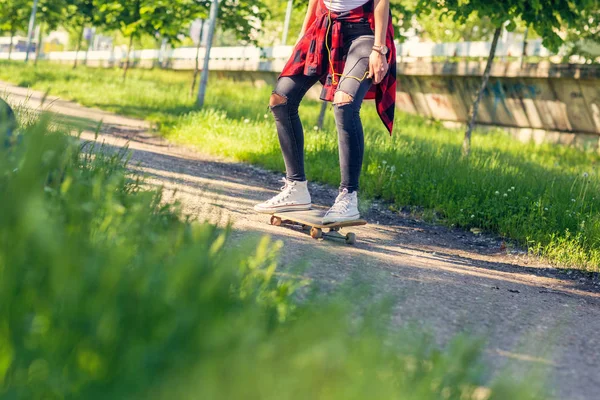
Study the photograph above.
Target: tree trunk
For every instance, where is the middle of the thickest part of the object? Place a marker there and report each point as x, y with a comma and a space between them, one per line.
286, 22
90, 42
197, 68
466, 147
162, 64
31, 29
127, 58
156, 61
214, 11
78, 45
524, 52
39, 44
10, 48
321, 120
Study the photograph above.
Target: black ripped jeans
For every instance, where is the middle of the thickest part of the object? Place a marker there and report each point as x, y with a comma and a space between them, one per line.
358, 43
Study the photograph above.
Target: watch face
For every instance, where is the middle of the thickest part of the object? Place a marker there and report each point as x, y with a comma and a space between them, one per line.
384, 50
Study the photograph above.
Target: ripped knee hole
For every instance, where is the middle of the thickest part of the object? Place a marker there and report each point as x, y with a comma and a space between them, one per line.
342, 98
277, 100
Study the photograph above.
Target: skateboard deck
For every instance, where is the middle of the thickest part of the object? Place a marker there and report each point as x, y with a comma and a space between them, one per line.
312, 220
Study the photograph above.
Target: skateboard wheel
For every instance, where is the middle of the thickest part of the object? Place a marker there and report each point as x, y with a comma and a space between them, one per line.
350, 238
316, 233
275, 221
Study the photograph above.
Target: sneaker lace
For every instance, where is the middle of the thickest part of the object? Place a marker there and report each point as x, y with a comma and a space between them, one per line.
286, 191
342, 202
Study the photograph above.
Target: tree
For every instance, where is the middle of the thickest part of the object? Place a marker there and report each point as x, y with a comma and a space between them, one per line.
271, 27
403, 13
168, 21
80, 13
212, 21
244, 18
51, 14
126, 17
197, 59
584, 39
14, 17
440, 27
546, 17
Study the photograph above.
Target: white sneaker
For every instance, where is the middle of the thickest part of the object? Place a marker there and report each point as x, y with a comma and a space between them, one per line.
294, 196
344, 209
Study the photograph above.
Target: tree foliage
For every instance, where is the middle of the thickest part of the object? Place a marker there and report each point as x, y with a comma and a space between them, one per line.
171, 19
52, 13
244, 18
271, 29
14, 15
546, 17
81, 12
584, 38
125, 16
403, 13
441, 27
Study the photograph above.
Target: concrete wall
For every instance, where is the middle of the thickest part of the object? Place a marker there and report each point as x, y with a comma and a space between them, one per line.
541, 102
555, 104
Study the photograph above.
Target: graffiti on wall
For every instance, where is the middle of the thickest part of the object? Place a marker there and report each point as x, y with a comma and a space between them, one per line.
564, 104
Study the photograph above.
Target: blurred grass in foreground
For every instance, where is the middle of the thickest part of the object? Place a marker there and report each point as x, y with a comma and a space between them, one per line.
107, 293
545, 197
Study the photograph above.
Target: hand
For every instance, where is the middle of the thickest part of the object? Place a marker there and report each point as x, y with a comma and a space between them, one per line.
378, 67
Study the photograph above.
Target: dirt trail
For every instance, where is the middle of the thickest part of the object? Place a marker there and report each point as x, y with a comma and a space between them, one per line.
446, 280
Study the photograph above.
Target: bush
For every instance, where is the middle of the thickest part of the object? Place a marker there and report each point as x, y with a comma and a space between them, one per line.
106, 292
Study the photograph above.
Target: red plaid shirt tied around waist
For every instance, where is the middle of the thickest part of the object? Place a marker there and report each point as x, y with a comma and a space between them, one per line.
310, 57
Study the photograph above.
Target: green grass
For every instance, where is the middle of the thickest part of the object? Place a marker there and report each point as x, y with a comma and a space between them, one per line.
544, 197
106, 293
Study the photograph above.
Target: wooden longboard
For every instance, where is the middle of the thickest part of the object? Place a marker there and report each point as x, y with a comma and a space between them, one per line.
312, 220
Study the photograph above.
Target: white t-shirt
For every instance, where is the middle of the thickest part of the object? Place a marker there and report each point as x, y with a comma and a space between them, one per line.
343, 5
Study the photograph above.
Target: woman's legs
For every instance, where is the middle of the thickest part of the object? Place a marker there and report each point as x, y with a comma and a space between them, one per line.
347, 102
284, 104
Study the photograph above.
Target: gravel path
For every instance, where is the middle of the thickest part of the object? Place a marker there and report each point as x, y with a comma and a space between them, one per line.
536, 318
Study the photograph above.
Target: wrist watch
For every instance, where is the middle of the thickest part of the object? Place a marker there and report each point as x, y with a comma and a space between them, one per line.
383, 49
